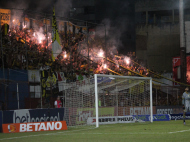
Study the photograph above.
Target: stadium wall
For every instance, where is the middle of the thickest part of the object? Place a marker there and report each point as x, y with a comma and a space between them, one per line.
9, 88
156, 45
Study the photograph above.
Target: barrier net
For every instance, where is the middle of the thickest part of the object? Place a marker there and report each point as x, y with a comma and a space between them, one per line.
108, 99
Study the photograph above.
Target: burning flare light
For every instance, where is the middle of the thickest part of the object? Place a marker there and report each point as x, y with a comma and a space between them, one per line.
39, 35
105, 66
24, 26
101, 53
65, 55
127, 60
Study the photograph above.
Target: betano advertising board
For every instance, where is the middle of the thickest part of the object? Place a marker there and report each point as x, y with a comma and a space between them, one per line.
34, 127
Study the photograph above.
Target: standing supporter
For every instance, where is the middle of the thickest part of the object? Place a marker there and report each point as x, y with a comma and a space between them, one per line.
58, 103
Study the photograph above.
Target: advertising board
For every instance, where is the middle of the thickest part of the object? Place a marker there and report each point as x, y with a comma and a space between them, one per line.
169, 109
110, 120
157, 117
33, 115
179, 116
34, 127
139, 110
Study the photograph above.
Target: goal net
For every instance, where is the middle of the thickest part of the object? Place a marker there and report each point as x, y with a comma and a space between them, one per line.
108, 99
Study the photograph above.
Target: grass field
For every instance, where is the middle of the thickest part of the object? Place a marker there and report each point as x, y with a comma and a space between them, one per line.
169, 131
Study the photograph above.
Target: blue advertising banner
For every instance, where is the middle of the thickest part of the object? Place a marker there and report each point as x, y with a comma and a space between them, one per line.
179, 116
33, 115
162, 117
1, 121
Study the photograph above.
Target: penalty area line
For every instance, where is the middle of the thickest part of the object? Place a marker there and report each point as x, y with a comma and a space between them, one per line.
179, 131
137, 133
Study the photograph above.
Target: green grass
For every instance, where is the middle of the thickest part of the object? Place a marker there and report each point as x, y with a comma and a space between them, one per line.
136, 132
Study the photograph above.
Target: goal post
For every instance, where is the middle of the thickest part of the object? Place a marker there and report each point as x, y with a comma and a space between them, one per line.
127, 94
108, 99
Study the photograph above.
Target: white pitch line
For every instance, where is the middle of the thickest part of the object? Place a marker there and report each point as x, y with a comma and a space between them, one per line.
44, 134
137, 133
179, 131
70, 133
66, 133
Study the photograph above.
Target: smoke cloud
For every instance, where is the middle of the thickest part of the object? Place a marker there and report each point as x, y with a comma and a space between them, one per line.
120, 29
39, 6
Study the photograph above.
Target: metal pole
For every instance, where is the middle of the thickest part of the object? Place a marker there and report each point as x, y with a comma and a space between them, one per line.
181, 20
177, 97
2, 48
17, 96
151, 110
2, 58
167, 95
70, 50
34, 88
104, 100
11, 20
156, 97
25, 45
173, 16
105, 45
130, 95
65, 105
96, 99
46, 31
154, 18
146, 17
41, 91
182, 42
41, 95
88, 47
117, 101
65, 96
82, 99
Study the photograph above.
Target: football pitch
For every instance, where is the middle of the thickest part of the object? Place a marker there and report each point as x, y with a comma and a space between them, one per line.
168, 131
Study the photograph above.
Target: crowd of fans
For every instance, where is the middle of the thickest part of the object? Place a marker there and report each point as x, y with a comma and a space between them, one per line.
23, 49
